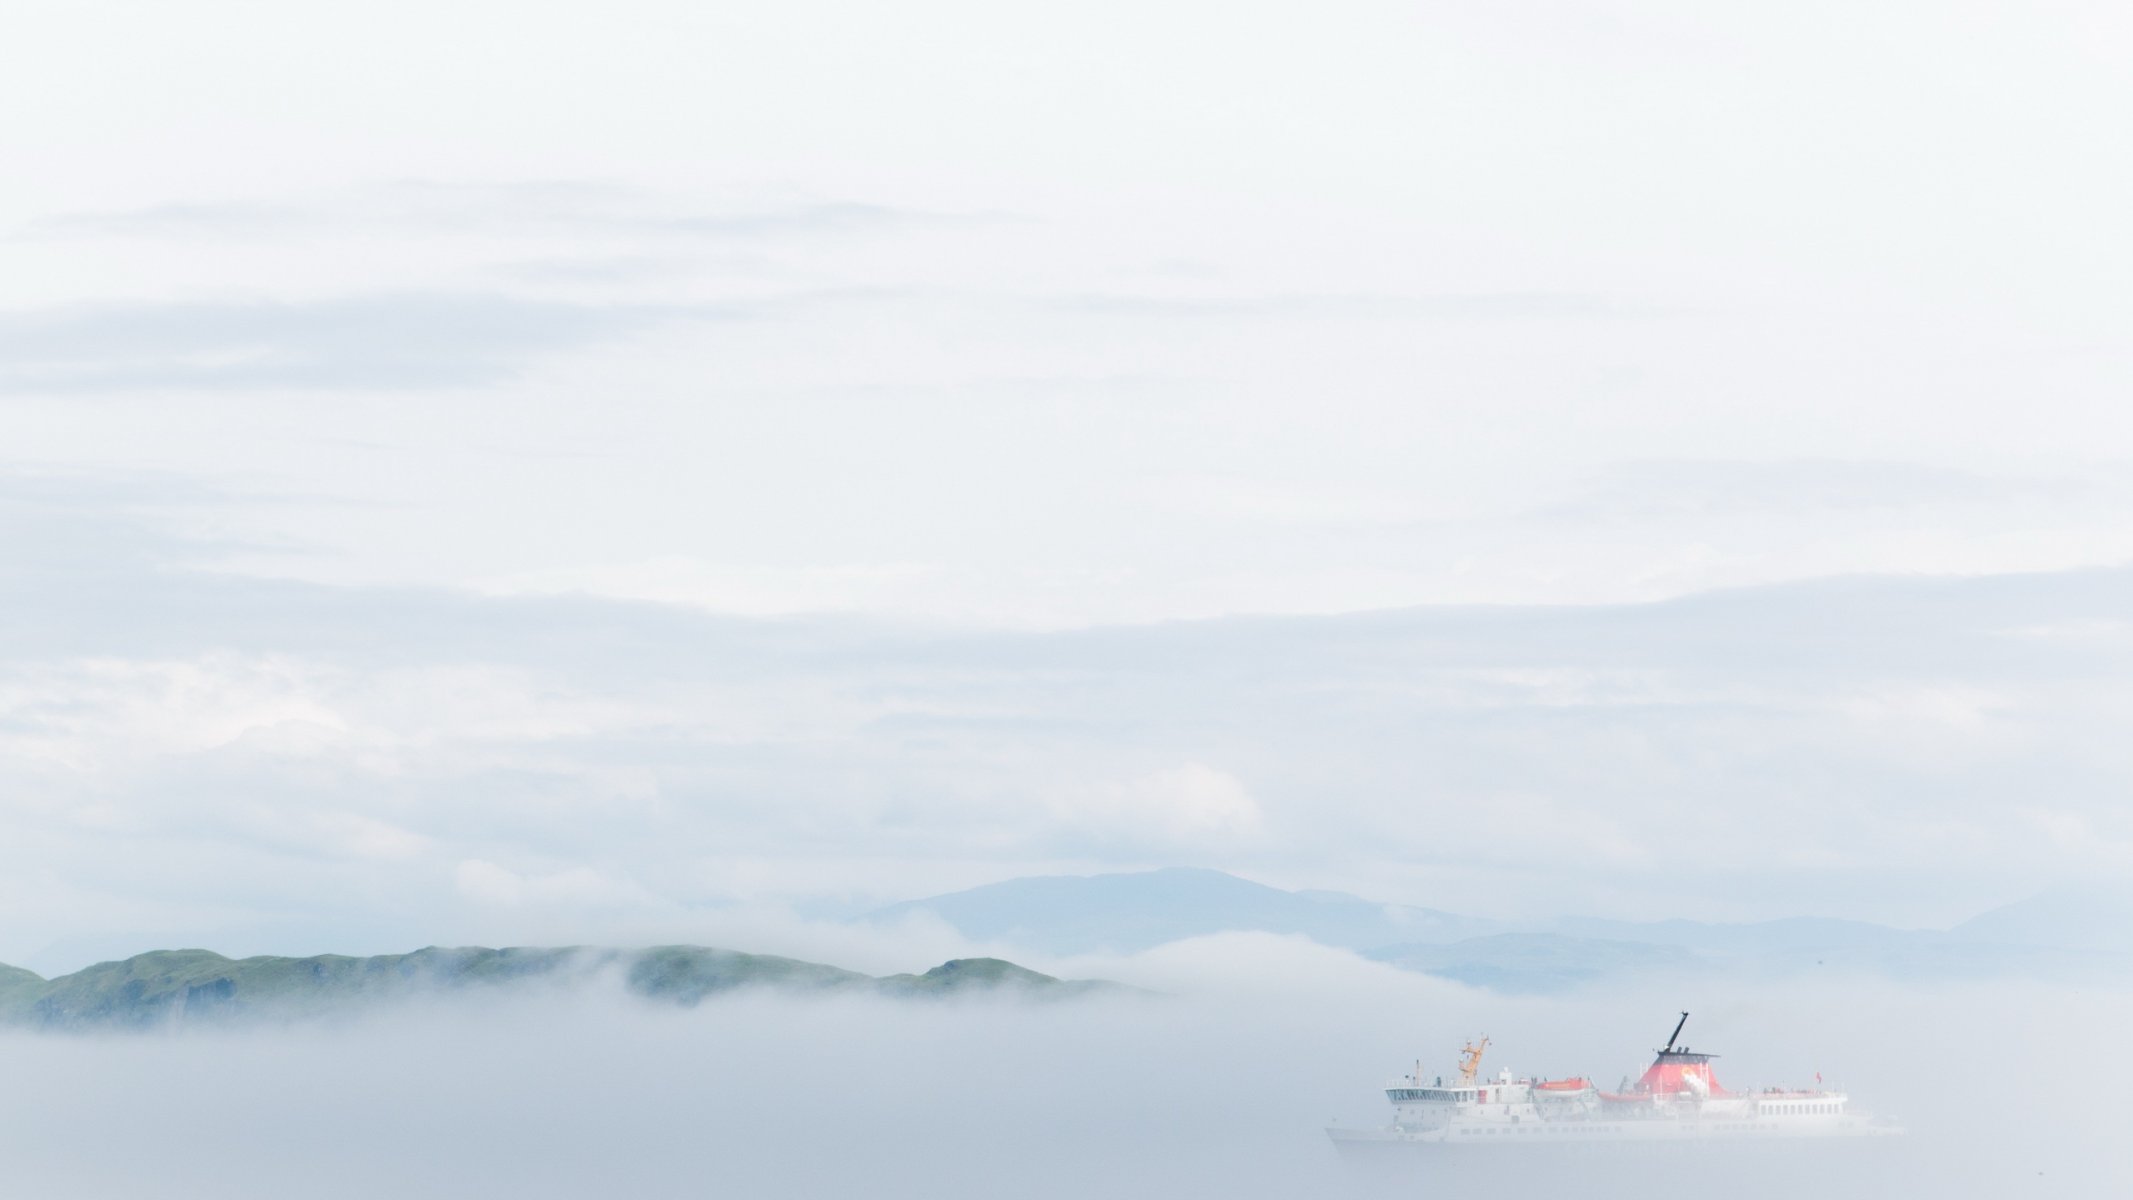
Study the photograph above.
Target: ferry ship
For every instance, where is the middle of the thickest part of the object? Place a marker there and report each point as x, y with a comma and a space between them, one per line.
1677, 1099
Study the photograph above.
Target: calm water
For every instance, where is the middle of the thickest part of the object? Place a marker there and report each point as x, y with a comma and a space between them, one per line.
821, 1099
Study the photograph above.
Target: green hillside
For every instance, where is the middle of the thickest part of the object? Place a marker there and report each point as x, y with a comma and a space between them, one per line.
686, 974
18, 990
964, 975
190, 987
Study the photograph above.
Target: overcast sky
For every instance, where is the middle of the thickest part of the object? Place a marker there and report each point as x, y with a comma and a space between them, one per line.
462, 460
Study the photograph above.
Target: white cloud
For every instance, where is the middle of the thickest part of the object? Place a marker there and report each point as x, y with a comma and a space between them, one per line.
576, 890
1382, 392
96, 715
1257, 966
1191, 344
753, 590
1193, 810
367, 837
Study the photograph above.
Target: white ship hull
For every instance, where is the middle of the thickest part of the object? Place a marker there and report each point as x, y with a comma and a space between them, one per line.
1499, 1139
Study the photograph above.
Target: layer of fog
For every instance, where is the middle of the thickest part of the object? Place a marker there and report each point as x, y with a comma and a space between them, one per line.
1221, 1088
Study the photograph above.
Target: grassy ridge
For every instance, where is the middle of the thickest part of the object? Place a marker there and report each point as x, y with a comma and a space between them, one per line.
990, 975
188, 987
18, 989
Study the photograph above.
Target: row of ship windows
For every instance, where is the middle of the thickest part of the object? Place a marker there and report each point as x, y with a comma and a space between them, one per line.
1579, 1129
1540, 1129
1800, 1110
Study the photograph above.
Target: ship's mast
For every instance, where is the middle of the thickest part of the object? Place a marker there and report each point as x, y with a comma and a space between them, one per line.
1676, 1035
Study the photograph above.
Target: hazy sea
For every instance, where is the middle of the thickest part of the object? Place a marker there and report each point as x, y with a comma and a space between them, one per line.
2006, 1090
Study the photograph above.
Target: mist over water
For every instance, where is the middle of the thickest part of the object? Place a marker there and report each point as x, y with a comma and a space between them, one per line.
1216, 1091
1629, 497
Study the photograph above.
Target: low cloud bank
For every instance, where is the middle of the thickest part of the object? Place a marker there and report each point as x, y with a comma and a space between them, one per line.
1213, 1092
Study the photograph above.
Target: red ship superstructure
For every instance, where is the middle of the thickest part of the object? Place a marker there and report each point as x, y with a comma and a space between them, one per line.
1676, 1074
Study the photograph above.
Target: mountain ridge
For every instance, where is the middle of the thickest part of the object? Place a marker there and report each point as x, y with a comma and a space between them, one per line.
1128, 912
168, 988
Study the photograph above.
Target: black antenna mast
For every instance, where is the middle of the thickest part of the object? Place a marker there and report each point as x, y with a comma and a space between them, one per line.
1676, 1034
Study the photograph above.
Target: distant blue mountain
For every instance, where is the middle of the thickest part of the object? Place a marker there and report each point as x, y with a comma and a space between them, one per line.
1539, 962
1782, 946
1788, 934
2080, 917
1799, 945
2065, 935
1123, 913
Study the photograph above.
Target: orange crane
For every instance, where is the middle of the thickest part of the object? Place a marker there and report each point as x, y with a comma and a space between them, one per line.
1470, 1060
